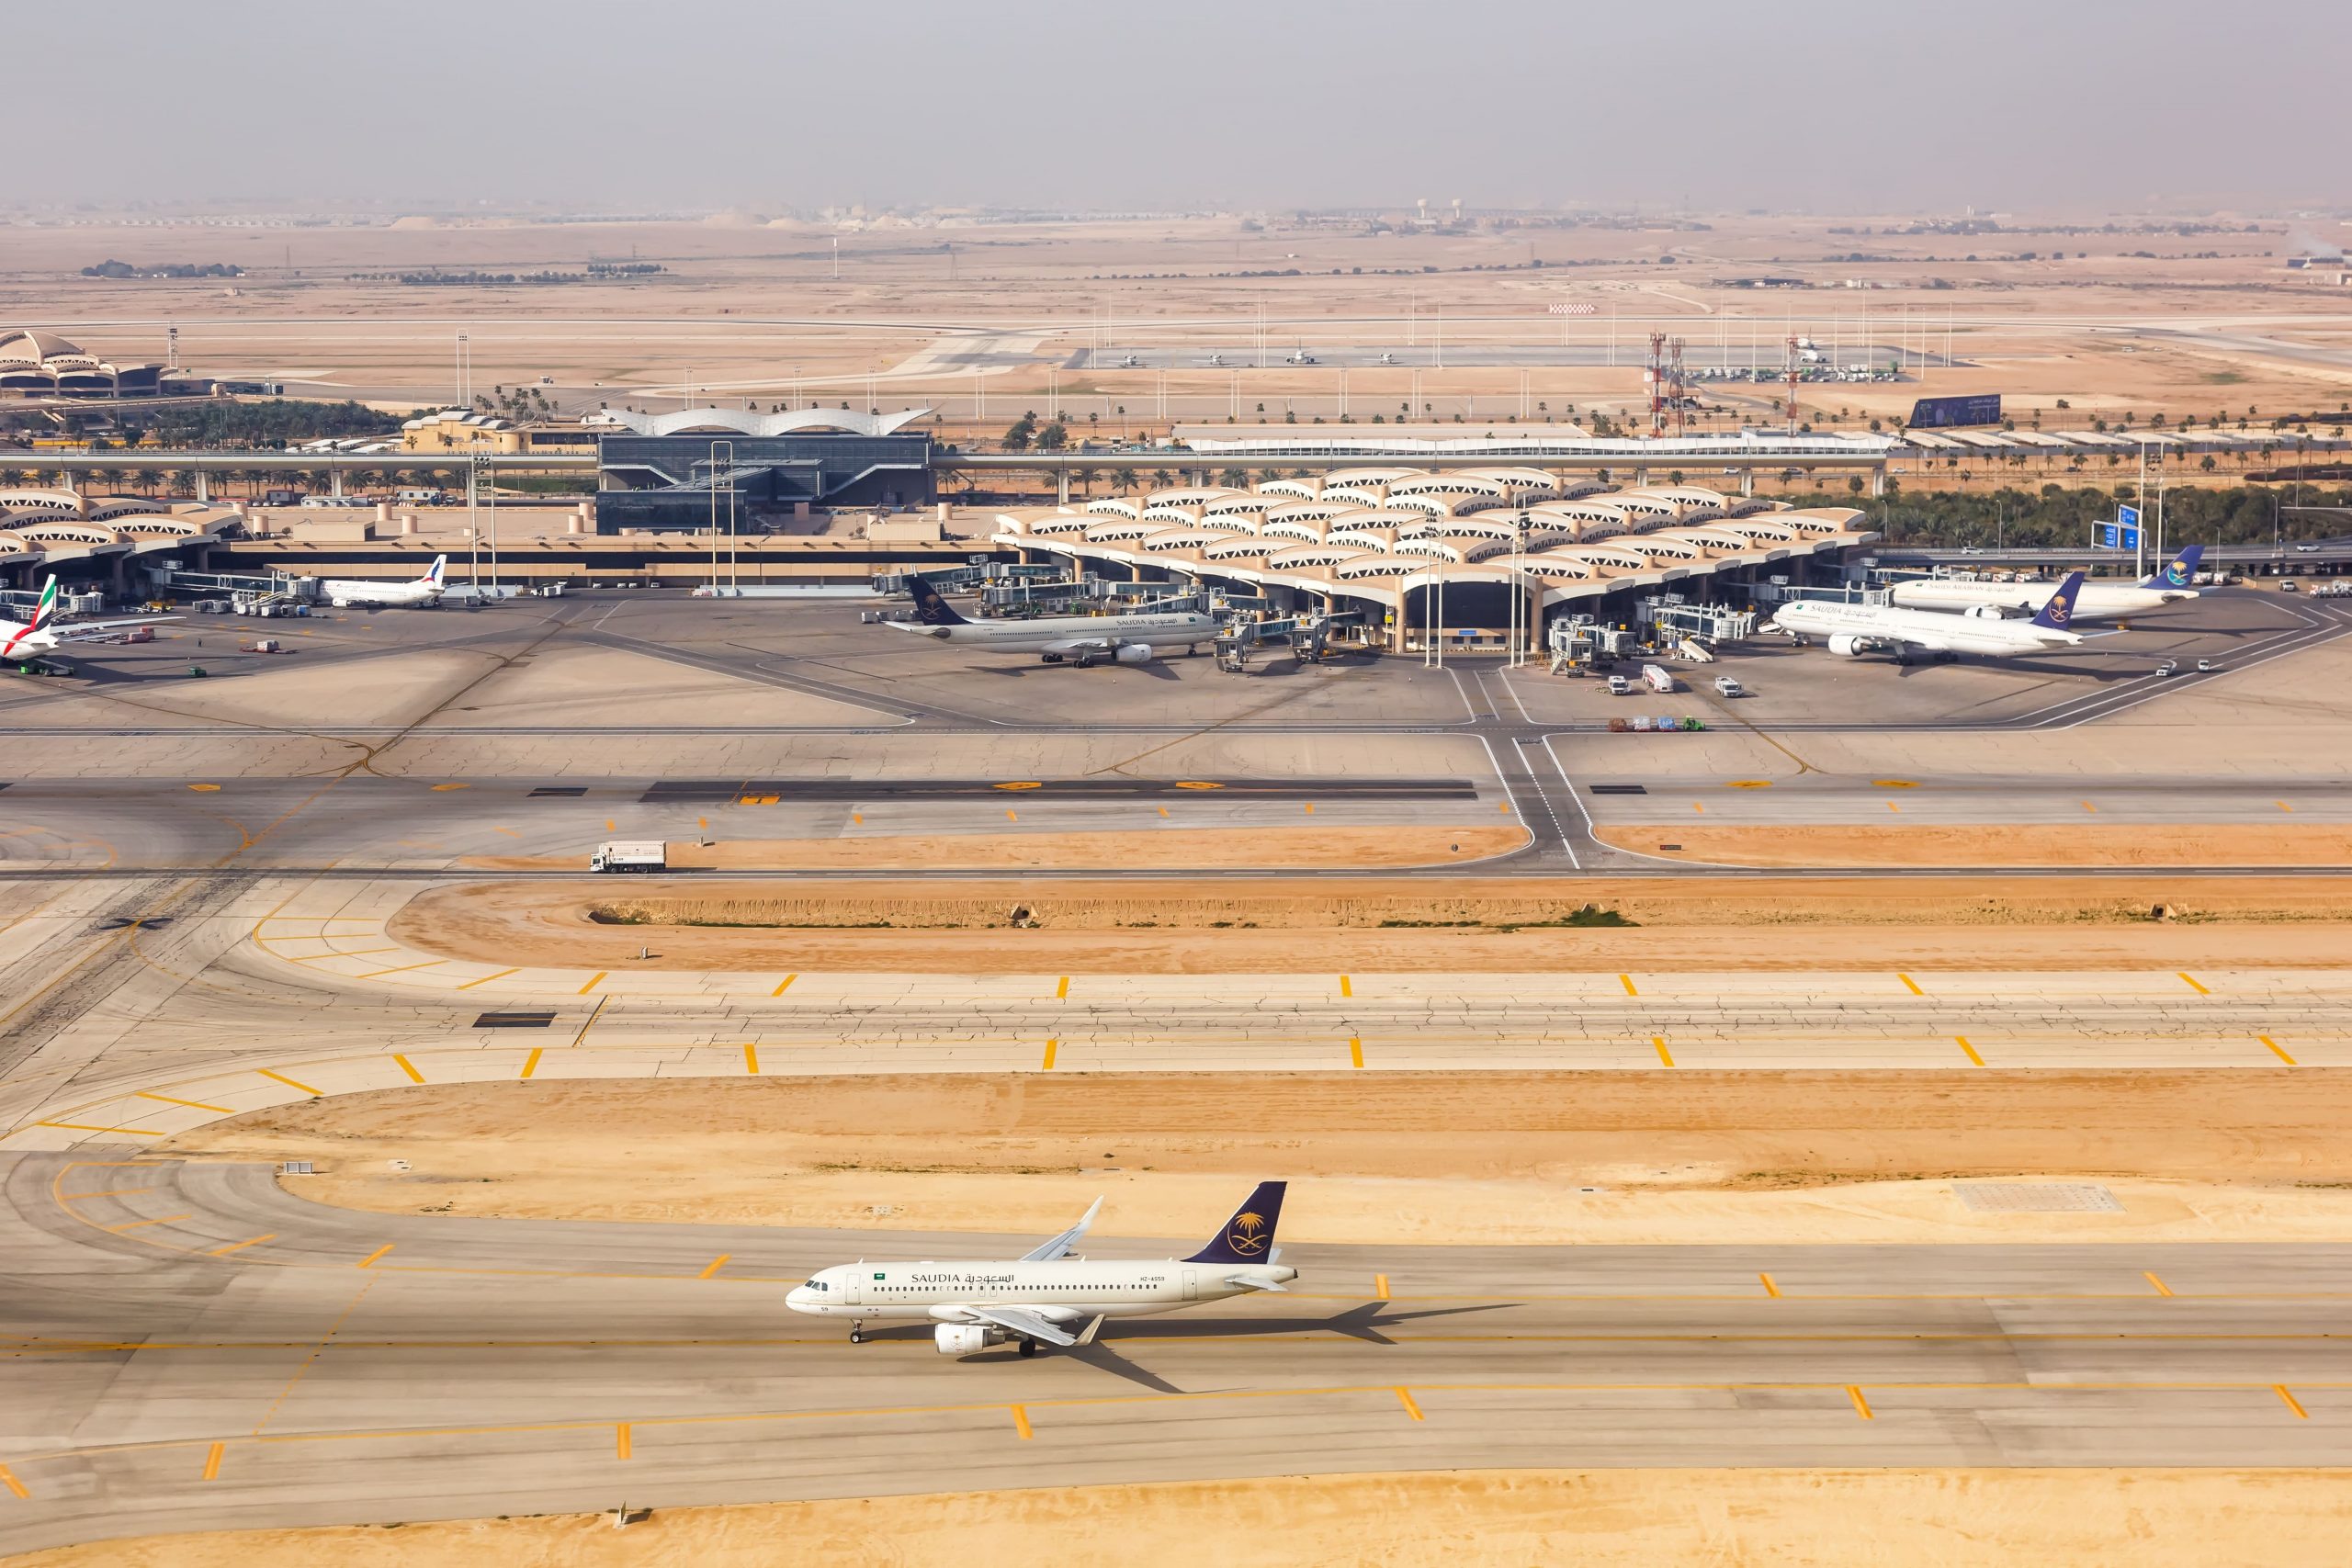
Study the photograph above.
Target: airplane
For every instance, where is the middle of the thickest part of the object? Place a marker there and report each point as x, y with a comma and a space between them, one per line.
1045, 1295
1301, 357
1083, 641
2099, 602
42, 635
1215, 360
1852, 630
344, 594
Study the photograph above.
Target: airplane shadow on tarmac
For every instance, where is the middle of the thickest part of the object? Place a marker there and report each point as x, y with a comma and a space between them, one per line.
1363, 1322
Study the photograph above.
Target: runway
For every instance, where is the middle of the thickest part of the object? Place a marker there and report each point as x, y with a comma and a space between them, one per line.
189, 1347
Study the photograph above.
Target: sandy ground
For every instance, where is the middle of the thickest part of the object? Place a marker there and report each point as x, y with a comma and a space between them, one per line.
1375, 925
1173, 849
1425, 1158
1604, 1518
2027, 844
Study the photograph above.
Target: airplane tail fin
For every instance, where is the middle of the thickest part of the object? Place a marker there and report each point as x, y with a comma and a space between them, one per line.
2058, 614
1249, 1235
46, 610
2179, 573
932, 608
433, 574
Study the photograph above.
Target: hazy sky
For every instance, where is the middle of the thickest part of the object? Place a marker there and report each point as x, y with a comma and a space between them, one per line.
590, 105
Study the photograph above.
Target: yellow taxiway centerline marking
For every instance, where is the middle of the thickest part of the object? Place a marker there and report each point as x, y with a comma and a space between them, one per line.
1346, 986
620, 1441
2283, 805
1771, 1289
1862, 1406
751, 1058
1020, 1422
212, 1463
1355, 1050
109, 1192
241, 1246
1051, 1046
486, 980
593, 981
409, 1067
440, 787
207, 789
2274, 1049
1962, 1041
784, 984
8, 1479
86, 1127
1628, 981
2291, 1402
369, 1260
1009, 815
715, 1265
1663, 1054
134, 1224
1062, 990
531, 1062
2088, 807
290, 1083
1380, 1287
2149, 1275
1892, 807
191, 1104
395, 969
1911, 985
1405, 1398
2192, 984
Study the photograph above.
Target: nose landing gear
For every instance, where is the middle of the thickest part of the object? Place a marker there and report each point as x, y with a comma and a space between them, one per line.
857, 1334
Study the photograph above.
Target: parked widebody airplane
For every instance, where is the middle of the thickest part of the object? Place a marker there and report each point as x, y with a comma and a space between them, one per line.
2100, 601
1083, 641
1046, 1295
44, 635
344, 594
1852, 630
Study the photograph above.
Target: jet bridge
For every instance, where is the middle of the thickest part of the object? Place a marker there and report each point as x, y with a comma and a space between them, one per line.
1307, 637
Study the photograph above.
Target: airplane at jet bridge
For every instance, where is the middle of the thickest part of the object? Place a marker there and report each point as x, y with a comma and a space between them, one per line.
1082, 641
1852, 630
1046, 1296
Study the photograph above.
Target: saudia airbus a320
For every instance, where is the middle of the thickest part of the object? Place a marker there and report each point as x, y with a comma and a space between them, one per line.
1082, 641
1045, 1295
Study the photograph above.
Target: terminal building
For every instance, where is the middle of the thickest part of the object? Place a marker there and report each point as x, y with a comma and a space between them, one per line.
1422, 556
744, 471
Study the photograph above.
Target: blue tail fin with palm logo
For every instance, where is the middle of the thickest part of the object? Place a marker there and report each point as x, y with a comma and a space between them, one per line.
2058, 614
930, 609
2178, 573
1249, 1235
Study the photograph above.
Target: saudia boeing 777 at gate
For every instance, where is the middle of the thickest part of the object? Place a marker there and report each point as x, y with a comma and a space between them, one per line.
1852, 630
1081, 639
1045, 1295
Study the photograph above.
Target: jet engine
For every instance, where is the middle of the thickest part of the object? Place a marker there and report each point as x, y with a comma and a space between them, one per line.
1133, 653
962, 1339
1846, 645
1989, 612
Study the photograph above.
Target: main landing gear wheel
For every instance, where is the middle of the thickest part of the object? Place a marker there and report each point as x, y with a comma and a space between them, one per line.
1028, 1347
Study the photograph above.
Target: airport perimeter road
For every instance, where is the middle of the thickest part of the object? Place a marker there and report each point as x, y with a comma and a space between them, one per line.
188, 1347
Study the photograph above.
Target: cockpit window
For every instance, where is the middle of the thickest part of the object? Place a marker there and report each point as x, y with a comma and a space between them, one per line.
817, 1284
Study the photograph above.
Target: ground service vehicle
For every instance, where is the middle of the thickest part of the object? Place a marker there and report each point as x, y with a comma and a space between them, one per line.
1657, 678
651, 854
1619, 687
1727, 687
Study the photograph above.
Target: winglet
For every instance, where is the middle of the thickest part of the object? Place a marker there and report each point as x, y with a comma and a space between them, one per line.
1047, 1251
2058, 614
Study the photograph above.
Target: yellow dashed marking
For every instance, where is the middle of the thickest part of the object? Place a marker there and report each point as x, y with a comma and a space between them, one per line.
1355, 1050
2291, 1402
2150, 1276
1346, 986
291, 1083
1771, 1288
439, 787
2193, 984
369, 1261
8, 1479
206, 789
2274, 1049
241, 1246
212, 1463
751, 1058
531, 1062
1063, 989
1897, 783
593, 981
486, 980
1051, 1046
1962, 1039
191, 1104
1663, 1054
1910, 985
714, 1266
1020, 1422
1628, 981
1380, 1287
87, 1127
409, 1067
784, 984
1748, 784
620, 1441
1862, 1406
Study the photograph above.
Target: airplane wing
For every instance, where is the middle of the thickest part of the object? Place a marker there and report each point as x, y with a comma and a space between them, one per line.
1047, 1251
1081, 644
1026, 1322
79, 630
1250, 1282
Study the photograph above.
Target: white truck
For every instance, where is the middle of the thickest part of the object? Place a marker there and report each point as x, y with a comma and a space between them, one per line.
649, 854
1657, 678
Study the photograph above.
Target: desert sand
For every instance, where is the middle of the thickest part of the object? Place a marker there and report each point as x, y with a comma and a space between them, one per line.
1604, 1518
1375, 925
1427, 1159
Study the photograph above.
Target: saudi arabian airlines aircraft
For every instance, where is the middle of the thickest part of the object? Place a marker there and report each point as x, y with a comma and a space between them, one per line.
44, 635
345, 592
1083, 641
2100, 601
1852, 630
1046, 1295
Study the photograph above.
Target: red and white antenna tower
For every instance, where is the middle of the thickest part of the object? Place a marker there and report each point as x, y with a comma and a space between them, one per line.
1677, 387
1792, 384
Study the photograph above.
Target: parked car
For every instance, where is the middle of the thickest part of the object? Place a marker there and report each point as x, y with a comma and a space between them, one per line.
2208, 666
2169, 667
